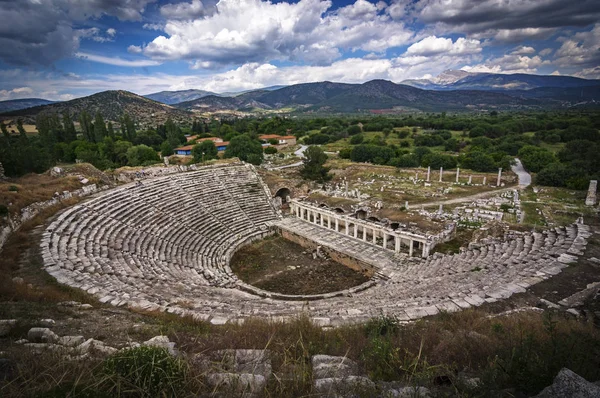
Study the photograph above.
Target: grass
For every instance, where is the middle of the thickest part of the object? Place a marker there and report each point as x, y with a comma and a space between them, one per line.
523, 352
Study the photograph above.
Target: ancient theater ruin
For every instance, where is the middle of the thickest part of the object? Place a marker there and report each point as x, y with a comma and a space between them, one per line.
165, 244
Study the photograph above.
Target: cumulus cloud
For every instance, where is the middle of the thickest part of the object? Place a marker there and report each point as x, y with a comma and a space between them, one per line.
192, 10
509, 63
524, 50
242, 31
16, 93
40, 32
581, 49
95, 34
433, 45
472, 16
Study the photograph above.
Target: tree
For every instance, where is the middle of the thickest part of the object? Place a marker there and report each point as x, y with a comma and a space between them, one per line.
128, 128
174, 134
140, 155
242, 146
437, 160
166, 149
99, 128
270, 150
110, 130
534, 158
478, 161
205, 150
357, 139
314, 169
85, 121
69, 126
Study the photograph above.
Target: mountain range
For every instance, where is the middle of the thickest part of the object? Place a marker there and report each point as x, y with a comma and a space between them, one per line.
175, 97
386, 96
463, 80
15, 105
112, 105
454, 92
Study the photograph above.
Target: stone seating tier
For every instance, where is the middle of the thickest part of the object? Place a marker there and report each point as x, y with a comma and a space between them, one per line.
165, 244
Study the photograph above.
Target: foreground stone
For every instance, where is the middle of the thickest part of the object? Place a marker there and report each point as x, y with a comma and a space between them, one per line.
41, 335
239, 383
326, 366
6, 325
569, 384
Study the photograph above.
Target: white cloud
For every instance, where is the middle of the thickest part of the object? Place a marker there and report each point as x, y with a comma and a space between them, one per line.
241, 31
581, 49
96, 35
134, 49
192, 10
589, 73
16, 93
153, 26
546, 51
433, 45
116, 61
509, 63
523, 50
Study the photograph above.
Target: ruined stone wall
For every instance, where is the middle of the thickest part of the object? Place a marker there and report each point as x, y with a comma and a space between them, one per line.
29, 212
344, 259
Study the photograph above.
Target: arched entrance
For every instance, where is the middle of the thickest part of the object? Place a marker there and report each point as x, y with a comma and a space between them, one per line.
361, 214
282, 198
339, 210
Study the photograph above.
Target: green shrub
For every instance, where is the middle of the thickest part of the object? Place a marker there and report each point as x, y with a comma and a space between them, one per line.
13, 188
149, 371
270, 150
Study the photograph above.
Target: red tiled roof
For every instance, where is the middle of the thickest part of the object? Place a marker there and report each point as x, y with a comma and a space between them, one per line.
185, 148
279, 137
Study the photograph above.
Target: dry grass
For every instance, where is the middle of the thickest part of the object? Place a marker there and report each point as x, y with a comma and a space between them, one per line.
19, 193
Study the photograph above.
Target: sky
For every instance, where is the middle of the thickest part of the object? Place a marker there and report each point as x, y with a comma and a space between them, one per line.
63, 49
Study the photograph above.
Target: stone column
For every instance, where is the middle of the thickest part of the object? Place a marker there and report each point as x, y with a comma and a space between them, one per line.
374, 237
322, 219
591, 198
457, 173
355, 231
470, 179
406, 204
364, 233
346, 225
337, 225
499, 176
484, 179
397, 244
426, 248
441, 173
328, 221
410, 248
441, 210
428, 172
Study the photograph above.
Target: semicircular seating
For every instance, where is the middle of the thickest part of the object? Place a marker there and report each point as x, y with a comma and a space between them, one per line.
165, 244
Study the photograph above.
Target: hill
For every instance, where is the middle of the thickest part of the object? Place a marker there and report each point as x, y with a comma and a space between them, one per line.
175, 97
382, 95
462, 80
111, 104
17, 104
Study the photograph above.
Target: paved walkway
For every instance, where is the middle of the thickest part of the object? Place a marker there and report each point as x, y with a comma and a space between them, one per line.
299, 153
524, 176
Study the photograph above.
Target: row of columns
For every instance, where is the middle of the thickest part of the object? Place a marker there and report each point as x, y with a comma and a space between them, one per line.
318, 217
458, 175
